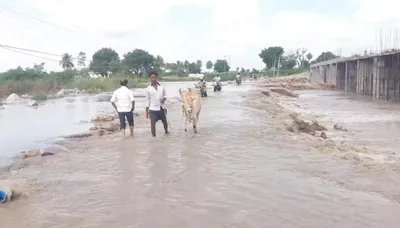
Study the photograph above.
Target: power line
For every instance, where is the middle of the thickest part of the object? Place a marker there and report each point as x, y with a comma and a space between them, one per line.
13, 48
21, 51
50, 24
28, 54
30, 50
43, 22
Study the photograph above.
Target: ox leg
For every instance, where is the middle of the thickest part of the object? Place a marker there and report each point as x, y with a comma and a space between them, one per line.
186, 122
195, 125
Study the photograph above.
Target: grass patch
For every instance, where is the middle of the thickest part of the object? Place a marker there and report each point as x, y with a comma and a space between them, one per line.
45, 84
176, 79
40, 97
92, 85
22, 87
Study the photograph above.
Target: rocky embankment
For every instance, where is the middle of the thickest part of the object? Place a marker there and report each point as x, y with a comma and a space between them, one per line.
29, 100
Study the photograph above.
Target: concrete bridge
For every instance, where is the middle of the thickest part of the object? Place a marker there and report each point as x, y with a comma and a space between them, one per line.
377, 76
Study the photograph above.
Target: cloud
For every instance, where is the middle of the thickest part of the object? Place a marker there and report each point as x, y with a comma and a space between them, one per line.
377, 11
189, 29
125, 25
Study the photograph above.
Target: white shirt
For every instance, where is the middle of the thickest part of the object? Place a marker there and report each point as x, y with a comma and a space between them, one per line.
237, 76
123, 98
153, 97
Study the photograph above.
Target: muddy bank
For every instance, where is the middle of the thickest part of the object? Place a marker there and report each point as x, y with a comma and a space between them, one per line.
295, 82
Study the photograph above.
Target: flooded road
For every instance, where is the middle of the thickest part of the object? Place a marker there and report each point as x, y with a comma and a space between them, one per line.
239, 171
23, 127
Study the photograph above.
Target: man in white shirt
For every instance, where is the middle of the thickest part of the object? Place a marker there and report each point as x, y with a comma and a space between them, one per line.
155, 103
124, 103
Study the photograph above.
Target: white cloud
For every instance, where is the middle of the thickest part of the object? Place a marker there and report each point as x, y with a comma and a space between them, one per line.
238, 29
373, 11
232, 21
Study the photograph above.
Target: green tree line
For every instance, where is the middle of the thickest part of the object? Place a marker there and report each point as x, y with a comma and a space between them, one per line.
107, 61
275, 57
108, 64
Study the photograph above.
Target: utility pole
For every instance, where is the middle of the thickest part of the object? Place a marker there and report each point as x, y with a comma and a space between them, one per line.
273, 71
279, 63
229, 63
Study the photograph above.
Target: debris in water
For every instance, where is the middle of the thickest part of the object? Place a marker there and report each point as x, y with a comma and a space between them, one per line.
339, 127
266, 93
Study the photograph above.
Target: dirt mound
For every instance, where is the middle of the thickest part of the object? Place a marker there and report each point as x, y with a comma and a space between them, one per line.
284, 92
297, 82
299, 125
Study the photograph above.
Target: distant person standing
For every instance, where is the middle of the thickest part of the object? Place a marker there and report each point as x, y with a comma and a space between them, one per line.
155, 103
124, 103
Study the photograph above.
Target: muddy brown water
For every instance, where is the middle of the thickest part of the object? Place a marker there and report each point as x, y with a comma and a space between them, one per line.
239, 171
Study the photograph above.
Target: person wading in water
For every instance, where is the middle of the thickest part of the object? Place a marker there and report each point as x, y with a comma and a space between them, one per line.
155, 103
124, 103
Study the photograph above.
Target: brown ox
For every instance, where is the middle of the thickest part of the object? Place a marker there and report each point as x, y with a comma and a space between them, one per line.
191, 107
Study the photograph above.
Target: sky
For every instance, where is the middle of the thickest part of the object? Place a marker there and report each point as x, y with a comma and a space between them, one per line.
193, 29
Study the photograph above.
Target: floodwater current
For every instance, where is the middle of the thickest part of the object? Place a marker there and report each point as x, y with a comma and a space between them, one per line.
231, 174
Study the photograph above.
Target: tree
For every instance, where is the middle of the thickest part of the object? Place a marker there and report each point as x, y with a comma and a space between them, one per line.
221, 65
66, 62
288, 61
237, 69
271, 55
300, 56
255, 71
199, 65
159, 64
139, 62
81, 59
209, 65
194, 68
38, 67
105, 62
186, 66
242, 70
247, 70
325, 56
309, 57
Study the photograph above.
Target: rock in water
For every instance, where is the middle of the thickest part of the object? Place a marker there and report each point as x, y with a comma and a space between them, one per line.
339, 127
60, 93
266, 93
93, 129
33, 103
103, 117
13, 98
112, 127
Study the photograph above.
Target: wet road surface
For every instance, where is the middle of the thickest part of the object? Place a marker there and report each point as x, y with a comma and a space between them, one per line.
231, 174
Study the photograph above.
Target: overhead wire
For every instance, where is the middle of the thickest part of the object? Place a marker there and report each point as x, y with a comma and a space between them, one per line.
91, 41
21, 52
30, 50
13, 48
